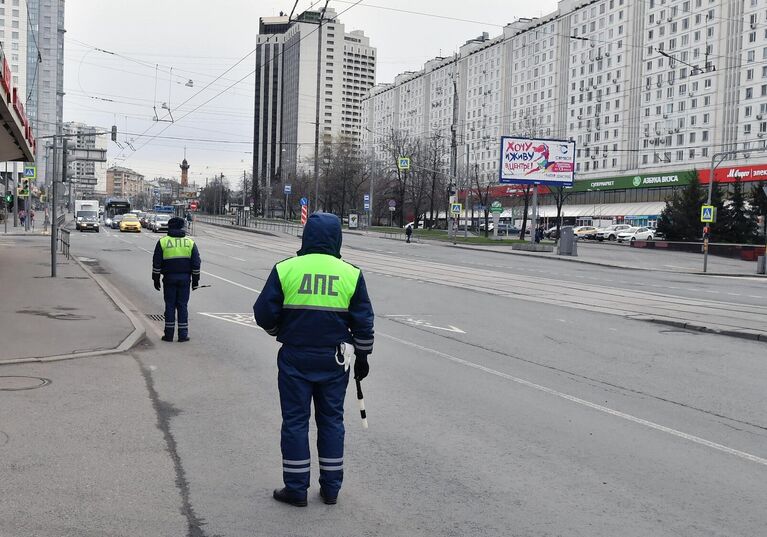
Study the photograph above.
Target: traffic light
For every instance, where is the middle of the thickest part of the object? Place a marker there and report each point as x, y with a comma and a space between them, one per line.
8, 200
114, 133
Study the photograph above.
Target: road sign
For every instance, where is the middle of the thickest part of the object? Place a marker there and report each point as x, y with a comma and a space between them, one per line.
496, 207
353, 221
403, 163
392, 203
304, 202
708, 214
456, 208
288, 189
366, 206
392, 209
30, 172
304, 214
366, 197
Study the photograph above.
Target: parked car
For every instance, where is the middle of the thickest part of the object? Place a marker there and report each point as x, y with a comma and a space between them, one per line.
144, 219
130, 222
636, 234
610, 233
116, 221
160, 223
585, 232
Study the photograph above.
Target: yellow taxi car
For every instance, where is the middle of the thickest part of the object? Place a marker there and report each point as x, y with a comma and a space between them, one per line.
130, 222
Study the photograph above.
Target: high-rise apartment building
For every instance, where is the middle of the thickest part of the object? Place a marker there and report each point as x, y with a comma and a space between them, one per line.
13, 35
88, 178
648, 89
44, 73
310, 81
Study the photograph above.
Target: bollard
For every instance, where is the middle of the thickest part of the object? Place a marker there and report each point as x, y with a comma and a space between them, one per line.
760, 264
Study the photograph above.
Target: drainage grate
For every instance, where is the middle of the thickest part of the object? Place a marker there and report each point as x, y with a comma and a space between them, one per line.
156, 317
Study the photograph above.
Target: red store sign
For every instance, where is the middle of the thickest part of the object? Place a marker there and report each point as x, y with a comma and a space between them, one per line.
746, 174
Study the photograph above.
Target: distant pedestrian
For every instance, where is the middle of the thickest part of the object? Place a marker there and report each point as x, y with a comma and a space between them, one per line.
32, 219
22, 217
538, 234
177, 259
408, 232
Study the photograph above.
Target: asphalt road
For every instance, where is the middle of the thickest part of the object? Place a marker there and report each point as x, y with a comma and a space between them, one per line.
493, 410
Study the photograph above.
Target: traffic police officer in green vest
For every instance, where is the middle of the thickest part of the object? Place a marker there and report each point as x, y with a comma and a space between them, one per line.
318, 307
177, 260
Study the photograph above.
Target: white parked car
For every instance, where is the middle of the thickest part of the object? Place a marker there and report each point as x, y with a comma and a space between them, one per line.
610, 233
636, 234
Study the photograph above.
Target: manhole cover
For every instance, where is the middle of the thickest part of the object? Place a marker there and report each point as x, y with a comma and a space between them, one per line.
15, 384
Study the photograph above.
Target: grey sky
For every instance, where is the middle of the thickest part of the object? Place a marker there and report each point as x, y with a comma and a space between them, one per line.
200, 43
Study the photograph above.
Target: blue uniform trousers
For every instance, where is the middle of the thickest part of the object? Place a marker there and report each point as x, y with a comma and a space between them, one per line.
305, 375
176, 295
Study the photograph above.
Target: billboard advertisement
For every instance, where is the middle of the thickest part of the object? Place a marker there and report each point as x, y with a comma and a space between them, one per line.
533, 160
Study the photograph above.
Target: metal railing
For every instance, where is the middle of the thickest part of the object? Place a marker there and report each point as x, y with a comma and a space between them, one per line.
64, 241
261, 224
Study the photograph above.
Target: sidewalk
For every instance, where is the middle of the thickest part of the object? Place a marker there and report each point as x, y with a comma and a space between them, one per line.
43, 317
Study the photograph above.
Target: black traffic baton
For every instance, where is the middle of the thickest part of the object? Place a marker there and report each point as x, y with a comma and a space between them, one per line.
361, 403
201, 287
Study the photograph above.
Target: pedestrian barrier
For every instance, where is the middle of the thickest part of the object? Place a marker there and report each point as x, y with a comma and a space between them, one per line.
261, 224
64, 241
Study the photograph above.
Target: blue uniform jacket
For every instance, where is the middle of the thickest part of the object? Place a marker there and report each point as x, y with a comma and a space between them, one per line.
312, 328
176, 269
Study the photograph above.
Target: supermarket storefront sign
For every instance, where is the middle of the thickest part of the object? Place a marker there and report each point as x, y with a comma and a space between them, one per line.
637, 181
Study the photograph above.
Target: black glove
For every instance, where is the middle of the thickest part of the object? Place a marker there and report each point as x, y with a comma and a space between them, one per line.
361, 365
195, 281
156, 282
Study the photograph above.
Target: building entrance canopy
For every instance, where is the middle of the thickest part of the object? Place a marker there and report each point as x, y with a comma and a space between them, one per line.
16, 140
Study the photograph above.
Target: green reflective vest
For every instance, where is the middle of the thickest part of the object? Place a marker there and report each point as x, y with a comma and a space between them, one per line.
176, 247
317, 282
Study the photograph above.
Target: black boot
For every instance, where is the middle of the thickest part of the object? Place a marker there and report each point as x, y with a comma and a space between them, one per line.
327, 498
167, 338
285, 496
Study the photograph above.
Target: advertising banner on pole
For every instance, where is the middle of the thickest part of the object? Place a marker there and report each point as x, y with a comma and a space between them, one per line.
537, 161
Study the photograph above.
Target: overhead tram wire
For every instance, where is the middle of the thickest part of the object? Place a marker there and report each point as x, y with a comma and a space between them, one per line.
243, 78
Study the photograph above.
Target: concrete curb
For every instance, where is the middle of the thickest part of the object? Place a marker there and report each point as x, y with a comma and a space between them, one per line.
568, 259
128, 343
731, 332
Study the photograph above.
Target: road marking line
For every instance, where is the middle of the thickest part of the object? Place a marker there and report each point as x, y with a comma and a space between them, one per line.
237, 258
618, 414
230, 281
144, 249
233, 245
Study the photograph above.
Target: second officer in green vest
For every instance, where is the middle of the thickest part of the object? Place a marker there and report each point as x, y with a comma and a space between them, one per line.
315, 303
177, 260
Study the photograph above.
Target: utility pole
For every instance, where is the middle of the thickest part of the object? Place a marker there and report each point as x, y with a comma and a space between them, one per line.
454, 143
317, 113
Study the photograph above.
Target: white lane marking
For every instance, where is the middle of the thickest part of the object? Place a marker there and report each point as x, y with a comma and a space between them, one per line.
144, 249
237, 258
230, 281
755, 296
233, 245
243, 319
618, 414
734, 294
